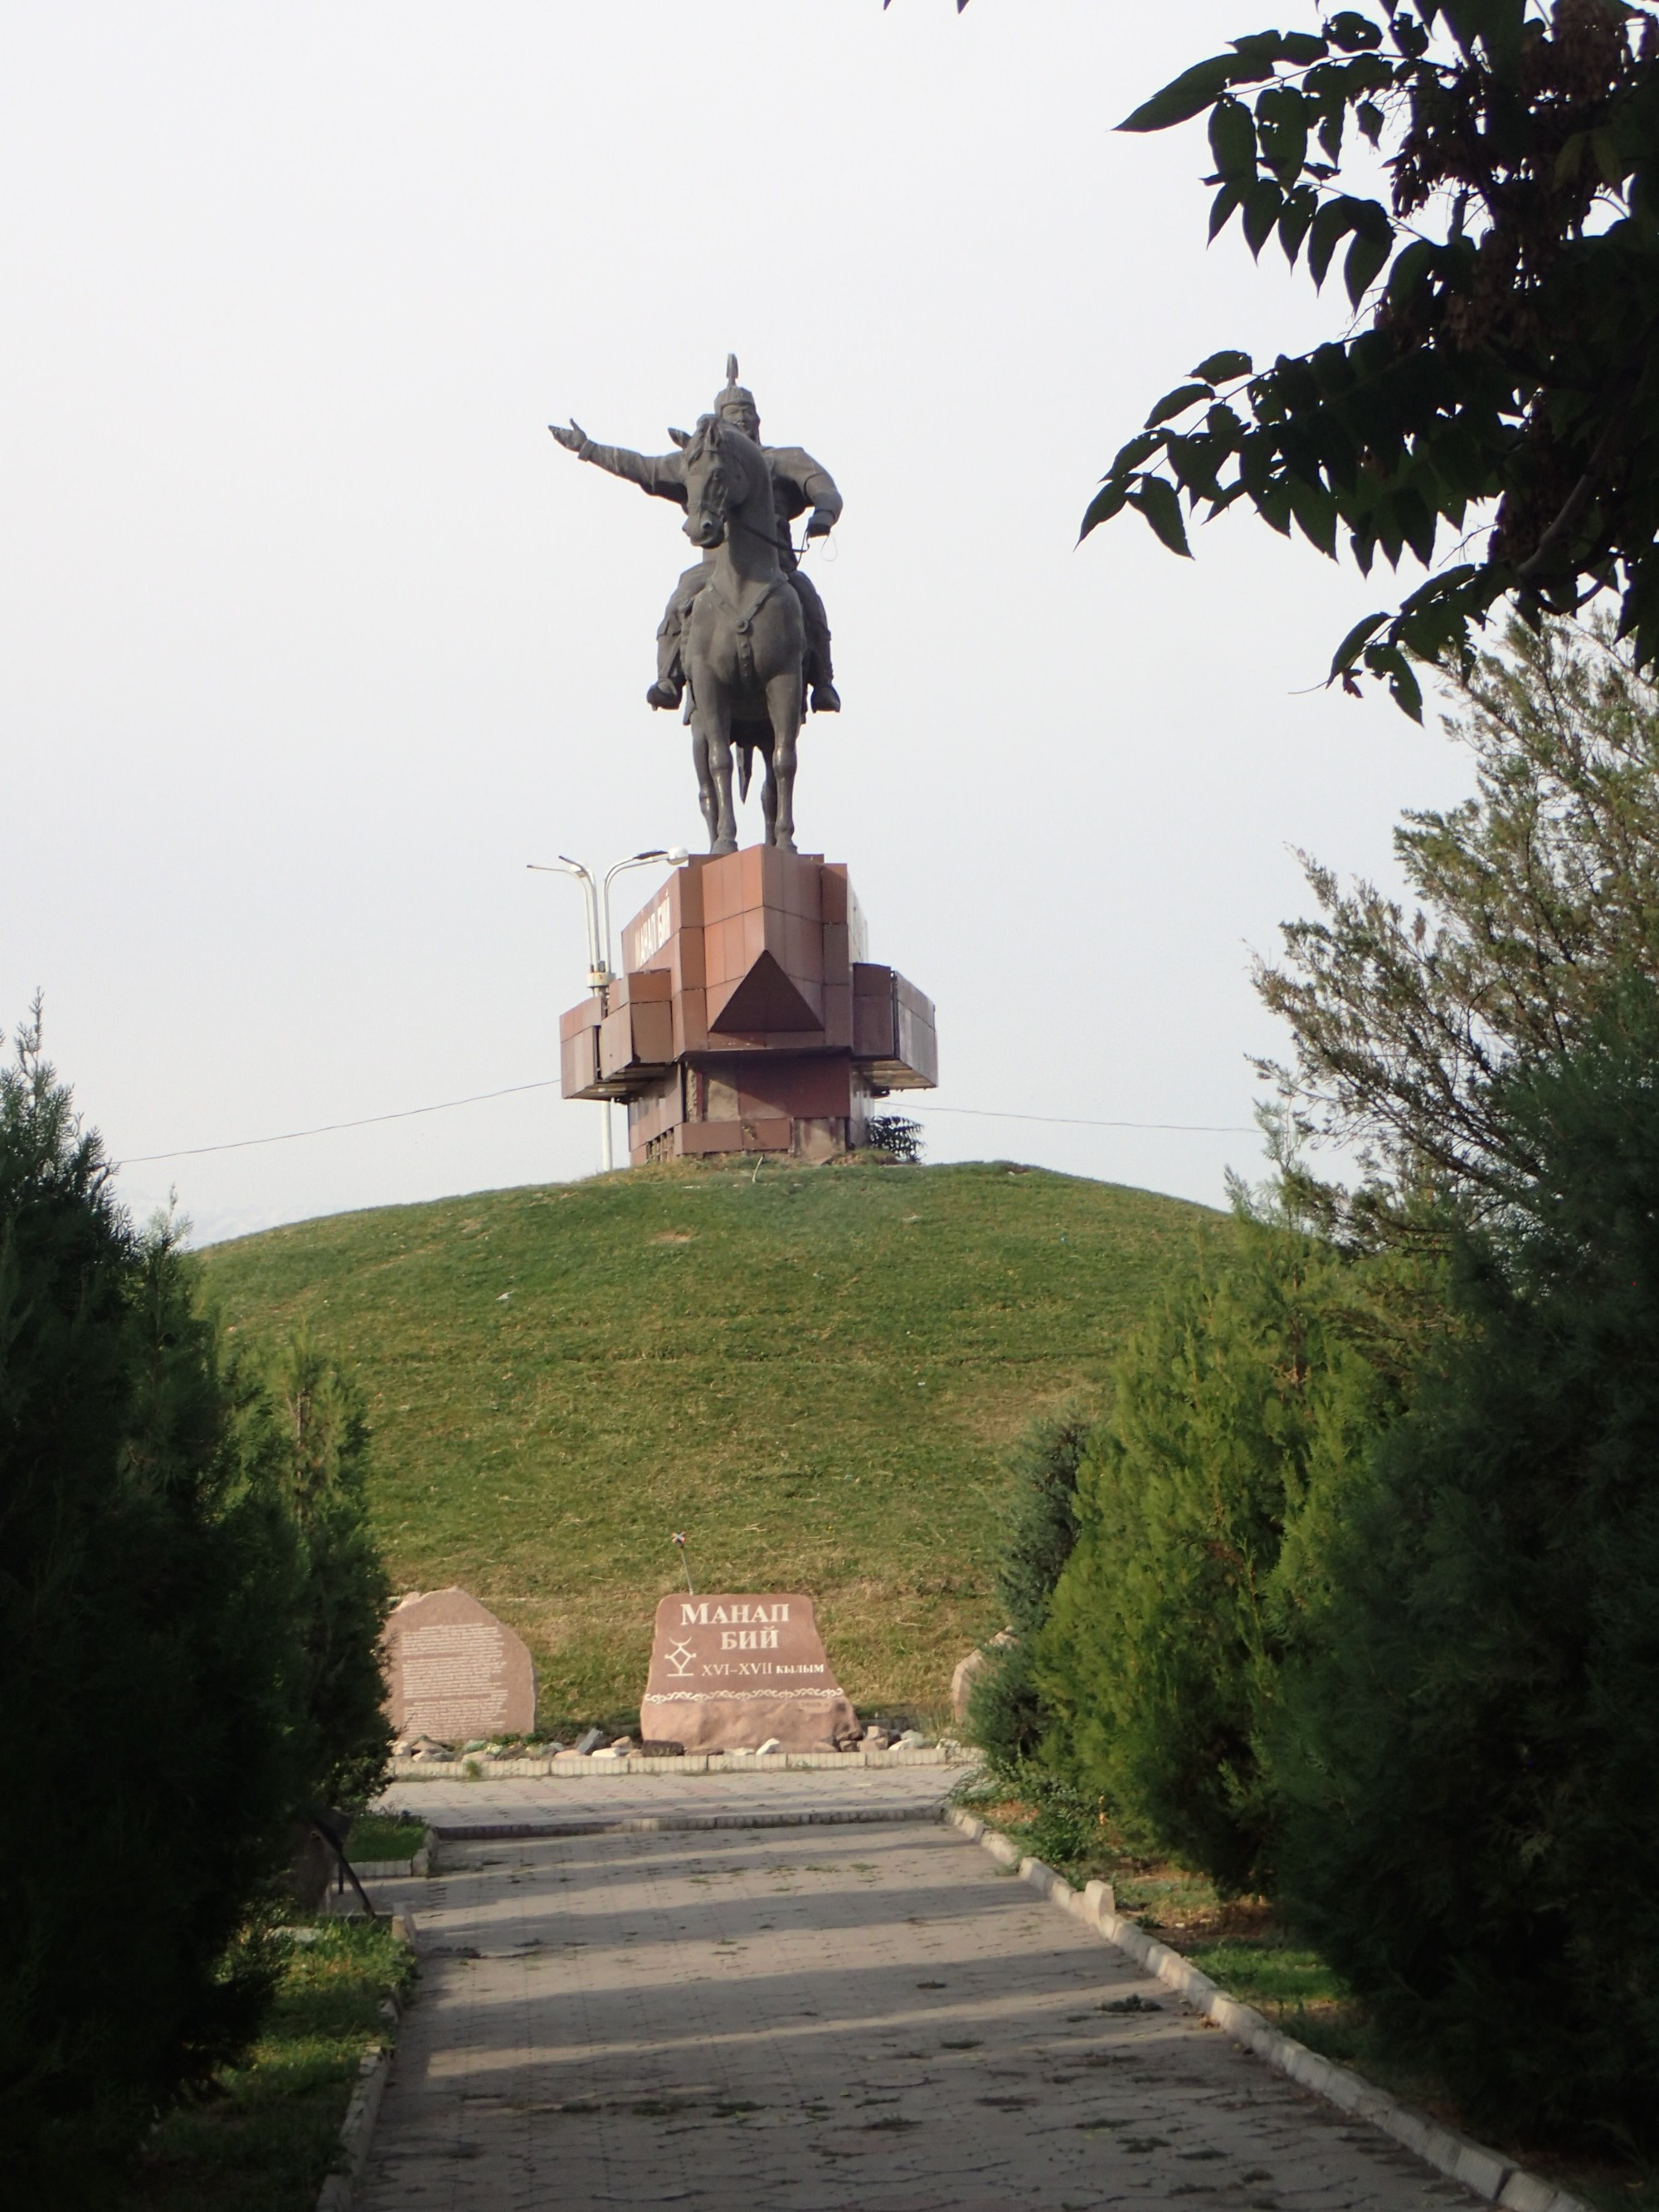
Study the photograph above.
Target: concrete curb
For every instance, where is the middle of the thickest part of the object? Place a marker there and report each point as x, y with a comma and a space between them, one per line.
1487, 2173
477, 1768
649, 1824
356, 2131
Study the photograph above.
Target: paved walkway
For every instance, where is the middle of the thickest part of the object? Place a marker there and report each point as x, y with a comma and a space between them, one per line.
816, 2019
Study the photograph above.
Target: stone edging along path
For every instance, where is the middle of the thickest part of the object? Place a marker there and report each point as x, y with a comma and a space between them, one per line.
1487, 2173
476, 1767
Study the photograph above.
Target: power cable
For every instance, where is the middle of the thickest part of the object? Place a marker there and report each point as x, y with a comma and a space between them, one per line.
1077, 1122
326, 1128
549, 1083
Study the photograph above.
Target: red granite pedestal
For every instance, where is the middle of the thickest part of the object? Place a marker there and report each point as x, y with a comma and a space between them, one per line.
749, 1016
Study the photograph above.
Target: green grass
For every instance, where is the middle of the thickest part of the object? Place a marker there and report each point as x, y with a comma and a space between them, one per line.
266, 2137
812, 1371
382, 1836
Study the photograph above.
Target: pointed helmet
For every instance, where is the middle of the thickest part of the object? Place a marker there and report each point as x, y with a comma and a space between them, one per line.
735, 394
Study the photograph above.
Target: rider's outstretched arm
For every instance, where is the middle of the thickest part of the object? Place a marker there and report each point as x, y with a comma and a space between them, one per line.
660, 475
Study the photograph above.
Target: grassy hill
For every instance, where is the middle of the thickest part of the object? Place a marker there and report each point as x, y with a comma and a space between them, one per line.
814, 1372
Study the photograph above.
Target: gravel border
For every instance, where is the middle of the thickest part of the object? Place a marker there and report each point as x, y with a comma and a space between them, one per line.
476, 1767
1487, 2171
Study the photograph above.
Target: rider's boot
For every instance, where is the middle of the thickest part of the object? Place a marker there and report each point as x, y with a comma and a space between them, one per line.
824, 699
671, 671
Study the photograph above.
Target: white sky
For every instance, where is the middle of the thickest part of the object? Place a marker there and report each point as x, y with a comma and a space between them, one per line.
310, 637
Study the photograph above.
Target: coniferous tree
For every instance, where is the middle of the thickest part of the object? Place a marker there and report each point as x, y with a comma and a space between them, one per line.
155, 1728
1005, 1714
319, 1444
1240, 1413
1467, 1761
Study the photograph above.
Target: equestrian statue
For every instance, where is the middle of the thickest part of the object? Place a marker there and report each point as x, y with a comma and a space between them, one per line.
744, 636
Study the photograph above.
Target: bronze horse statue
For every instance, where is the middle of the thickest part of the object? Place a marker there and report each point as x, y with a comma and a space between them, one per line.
745, 638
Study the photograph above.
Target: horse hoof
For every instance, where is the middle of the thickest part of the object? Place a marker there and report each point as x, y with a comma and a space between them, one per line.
784, 842
724, 845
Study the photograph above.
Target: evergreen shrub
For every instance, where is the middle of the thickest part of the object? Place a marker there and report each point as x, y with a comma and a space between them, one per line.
1006, 1716
1240, 1413
1468, 1761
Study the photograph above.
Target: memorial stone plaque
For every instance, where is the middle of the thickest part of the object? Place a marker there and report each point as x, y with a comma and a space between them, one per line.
727, 1672
454, 1672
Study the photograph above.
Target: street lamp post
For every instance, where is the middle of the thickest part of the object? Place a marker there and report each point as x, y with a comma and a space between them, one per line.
596, 914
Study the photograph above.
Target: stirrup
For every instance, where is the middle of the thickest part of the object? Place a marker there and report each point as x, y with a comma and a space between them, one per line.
662, 693
825, 699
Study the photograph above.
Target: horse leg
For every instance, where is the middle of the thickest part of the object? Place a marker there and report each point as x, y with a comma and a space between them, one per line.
706, 798
769, 800
783, 705
716, 723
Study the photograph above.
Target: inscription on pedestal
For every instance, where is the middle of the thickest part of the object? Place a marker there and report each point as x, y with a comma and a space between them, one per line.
730, 1671
454, 1671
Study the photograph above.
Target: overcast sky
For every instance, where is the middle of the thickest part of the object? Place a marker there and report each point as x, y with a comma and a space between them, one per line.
311, 638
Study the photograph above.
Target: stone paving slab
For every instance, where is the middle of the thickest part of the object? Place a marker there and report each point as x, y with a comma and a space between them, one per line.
822, 2020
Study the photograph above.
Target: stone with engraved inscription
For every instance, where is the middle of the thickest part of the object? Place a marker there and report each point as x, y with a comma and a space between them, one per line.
454, 1672
727, 1672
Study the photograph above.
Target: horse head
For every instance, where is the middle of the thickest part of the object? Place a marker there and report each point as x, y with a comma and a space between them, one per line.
720, 475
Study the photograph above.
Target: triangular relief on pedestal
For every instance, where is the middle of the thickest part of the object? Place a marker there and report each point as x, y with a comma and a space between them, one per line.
765, 999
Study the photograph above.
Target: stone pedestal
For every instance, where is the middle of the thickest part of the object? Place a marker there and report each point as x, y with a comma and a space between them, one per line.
749, 1016
730, 1672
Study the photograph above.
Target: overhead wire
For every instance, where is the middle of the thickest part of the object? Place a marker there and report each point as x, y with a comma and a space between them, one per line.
549, 1083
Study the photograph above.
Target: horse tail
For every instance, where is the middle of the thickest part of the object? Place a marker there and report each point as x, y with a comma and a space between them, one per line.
745, 766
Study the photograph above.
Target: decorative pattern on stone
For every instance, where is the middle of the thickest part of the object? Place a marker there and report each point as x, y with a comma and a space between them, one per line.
727, 1672
453, 1671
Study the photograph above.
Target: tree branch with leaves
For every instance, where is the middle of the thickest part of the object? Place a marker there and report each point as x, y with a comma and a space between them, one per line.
1504, 354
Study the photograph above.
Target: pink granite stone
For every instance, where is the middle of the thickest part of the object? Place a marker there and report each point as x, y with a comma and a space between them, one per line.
727, 1672
453, 1671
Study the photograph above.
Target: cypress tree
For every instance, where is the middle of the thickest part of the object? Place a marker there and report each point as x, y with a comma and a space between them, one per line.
151, 1729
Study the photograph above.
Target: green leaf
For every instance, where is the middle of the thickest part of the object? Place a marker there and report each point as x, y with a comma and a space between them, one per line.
1301, 47
1177, 402
1130, 457
1389, 660
1157, 501
1226, 203
1335, 218
1299, 209
1221, 368
1409, 270
1348, 652
1351, 32
1609, 159
1261, 206
1416, 520
1571, 159
1496, 24
1102, 508
1364, 260
1370, 118
1315, 513
1282, 116
1232, 141
1187, 96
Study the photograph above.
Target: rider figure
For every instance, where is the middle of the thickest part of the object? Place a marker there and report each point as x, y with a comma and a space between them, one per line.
799, 482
